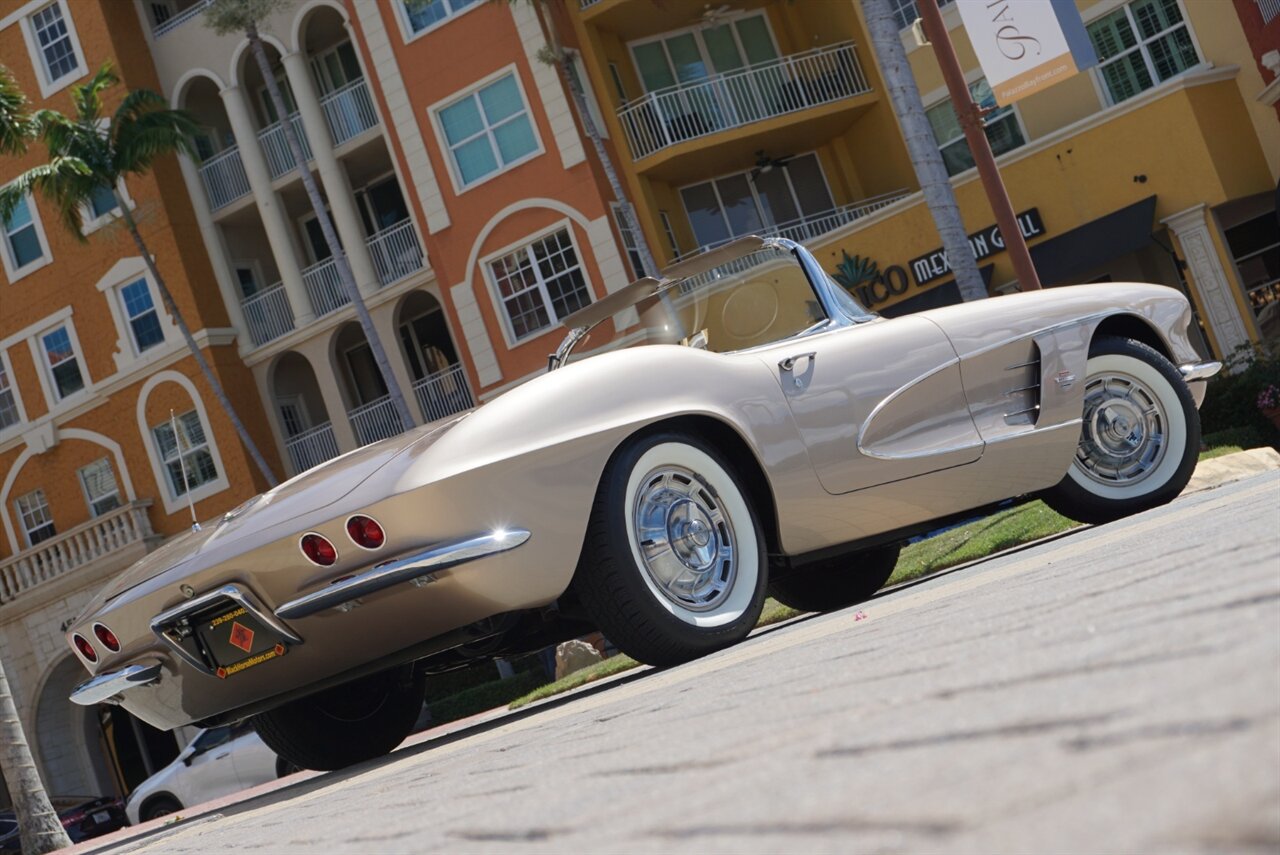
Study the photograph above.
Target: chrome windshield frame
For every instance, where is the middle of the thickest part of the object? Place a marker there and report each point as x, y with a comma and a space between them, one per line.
822, 285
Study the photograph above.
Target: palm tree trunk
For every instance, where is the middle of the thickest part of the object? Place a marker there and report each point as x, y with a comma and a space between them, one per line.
931, 172
38, 824
172, 309
625, 209
345, 275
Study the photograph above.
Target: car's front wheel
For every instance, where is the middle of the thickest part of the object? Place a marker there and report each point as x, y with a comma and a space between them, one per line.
834, 583
346, 724
1139, 439
674, 563
158, 806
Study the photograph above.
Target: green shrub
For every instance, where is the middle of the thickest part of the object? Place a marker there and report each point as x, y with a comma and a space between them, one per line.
1231, 401
1243, 437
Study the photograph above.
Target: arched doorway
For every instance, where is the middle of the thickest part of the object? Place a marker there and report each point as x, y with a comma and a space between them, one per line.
439, 381
299, 406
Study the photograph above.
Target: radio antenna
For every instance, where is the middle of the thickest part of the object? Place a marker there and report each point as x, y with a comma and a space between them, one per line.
182, 466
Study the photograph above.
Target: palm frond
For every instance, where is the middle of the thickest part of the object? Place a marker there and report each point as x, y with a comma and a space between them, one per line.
15, 123
136, 103
88, 97
64, 181
151, 135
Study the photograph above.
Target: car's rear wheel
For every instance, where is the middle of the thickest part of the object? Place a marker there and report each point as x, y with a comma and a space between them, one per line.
674, 563
158, 806
1139, 438
834, 583
346, 724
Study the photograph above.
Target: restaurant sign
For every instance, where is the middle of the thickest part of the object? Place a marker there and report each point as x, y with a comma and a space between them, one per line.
985, 243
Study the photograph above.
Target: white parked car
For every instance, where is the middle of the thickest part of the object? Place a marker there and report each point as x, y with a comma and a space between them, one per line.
218, 762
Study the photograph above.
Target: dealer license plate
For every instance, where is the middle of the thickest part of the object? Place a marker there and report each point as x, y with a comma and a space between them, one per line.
102, 816
238, 641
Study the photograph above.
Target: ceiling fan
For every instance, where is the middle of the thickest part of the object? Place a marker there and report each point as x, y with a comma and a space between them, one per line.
764, 163
713, 17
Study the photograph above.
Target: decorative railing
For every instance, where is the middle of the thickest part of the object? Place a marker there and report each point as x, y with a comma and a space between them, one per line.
324, 287
375, 420
276, 146
444, 393
124, 526
176, 20
1269, 9
587, 4
224, 179
349, 111
311, 447
396, 252
268, 314
757, 92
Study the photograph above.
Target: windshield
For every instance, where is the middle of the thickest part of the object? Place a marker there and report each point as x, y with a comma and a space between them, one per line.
758, 298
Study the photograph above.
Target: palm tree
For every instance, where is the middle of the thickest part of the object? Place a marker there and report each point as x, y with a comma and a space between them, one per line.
244, 16
38, 823
89, 151
931, 172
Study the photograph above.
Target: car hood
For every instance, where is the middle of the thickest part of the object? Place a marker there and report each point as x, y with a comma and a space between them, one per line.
241, 529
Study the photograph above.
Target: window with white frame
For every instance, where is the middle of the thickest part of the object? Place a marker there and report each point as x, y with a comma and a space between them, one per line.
629, 242
62, 362
141, 315
23, 246
185, 455
9, 415
488, 130
905, 11
424, 14
540, 283
99, 484
1003, 130
102, 201
37, 521
1140, 45
54, 42
778, 199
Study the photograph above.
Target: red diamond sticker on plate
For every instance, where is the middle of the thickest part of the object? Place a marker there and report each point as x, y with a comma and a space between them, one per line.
241, 636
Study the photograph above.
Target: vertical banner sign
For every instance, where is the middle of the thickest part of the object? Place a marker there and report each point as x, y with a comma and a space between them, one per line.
1025, 46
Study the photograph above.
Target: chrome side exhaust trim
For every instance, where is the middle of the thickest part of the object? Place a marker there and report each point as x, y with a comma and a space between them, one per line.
405, 569
103, 688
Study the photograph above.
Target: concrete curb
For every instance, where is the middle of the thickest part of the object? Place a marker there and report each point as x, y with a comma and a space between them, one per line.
1232, 467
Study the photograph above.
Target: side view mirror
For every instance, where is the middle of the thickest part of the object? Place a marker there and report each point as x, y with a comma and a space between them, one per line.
186, 761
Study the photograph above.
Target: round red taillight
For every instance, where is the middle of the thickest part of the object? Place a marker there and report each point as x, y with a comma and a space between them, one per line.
365, 532
86, 649
107, 637
318, 550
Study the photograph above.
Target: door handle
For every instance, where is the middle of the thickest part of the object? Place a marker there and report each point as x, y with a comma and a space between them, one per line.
790, 362
220, 756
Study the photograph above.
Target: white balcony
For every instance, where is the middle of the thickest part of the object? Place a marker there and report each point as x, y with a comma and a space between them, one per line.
349, 111
177, 19
375, 420
698, 108
324, 287
444, 393
224, 179
126, 529
268, 314
396, 252
311, 447
276, 146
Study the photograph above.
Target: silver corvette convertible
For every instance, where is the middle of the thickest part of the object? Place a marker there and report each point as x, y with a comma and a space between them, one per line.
751, 430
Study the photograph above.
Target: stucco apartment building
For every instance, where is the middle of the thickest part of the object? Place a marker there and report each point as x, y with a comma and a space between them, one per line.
476, 215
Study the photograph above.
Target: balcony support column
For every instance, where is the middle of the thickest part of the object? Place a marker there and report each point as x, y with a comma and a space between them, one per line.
385, 323
342, 203
269, 206
316, 352
217, 252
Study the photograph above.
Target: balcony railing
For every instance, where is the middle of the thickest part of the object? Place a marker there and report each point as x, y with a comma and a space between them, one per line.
396, 252
375, 420
224, 179
268, 314
324, 287
687, 111
444, 393
348, 111
111, 532
178, 19
311, 447
276, 146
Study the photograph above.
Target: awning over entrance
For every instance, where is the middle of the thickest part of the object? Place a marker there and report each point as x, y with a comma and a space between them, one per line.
1063, 259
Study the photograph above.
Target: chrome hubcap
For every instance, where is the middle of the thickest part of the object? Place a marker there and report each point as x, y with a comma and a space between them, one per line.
1123, 437
686, 540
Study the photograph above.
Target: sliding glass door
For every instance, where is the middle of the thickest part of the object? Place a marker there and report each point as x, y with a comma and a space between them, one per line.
782, 199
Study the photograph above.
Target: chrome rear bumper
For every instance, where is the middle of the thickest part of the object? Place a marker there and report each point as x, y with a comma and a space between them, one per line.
1195, 374
102, 688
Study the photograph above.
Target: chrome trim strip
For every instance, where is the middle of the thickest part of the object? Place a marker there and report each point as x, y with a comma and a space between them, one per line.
1199, 370
103, 687
440, 557
232, 592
